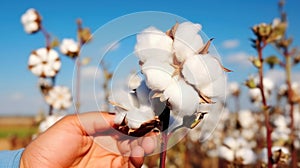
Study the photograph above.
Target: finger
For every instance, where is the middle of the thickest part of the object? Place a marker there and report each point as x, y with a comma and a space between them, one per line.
96, 122
137, 156
124, 147
149, 144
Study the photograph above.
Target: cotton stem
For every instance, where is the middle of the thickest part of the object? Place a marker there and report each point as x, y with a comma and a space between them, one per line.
164, 118
265, 106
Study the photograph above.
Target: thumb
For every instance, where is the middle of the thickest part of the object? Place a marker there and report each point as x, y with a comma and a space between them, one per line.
93, 123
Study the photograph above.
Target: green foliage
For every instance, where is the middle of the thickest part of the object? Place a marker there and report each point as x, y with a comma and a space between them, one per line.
19, 131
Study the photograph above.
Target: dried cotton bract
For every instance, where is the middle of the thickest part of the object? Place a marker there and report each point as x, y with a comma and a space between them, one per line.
178, 69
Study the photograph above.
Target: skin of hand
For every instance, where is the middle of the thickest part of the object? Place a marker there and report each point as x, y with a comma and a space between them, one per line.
71, 143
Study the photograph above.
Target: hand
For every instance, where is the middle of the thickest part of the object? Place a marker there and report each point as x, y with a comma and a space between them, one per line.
72, 142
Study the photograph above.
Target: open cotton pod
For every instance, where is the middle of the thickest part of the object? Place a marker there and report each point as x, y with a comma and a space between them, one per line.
179, 73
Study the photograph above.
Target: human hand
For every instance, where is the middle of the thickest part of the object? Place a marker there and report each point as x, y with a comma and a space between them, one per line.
72, 142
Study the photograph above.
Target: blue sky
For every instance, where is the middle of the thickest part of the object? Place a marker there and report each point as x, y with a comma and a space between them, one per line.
228, 21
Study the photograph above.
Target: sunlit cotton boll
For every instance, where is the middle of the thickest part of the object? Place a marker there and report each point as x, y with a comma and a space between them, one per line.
216, 89
31, 21
59, 97
233, 88
155, 45
279, 121
247, 155
44, 62
182, 98
187, 41
226, 153
134, 108
280, 134
202, 71
158, 75
255, 95
69, 47
246, 118
248, 133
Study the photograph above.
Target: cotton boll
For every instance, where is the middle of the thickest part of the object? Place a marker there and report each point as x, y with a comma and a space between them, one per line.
49, 121
214, 89
233, 89
182, 97
264, 154
248, 156
136, 117
124, 100
231, 143
280, 134
226, 153
187, 41
31, 27
248, 134
201, 70
255, 95
135, 107
69, 47
246, 118
44, 63
31, 21
153, 44
282, 89
158, 75
280, 121
241, 142
268, 84
283, 149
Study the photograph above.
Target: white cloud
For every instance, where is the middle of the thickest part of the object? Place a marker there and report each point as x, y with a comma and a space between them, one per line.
230, 44
239, 58
111, 47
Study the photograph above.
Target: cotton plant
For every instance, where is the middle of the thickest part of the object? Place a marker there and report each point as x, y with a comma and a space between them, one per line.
178, 71
45, 63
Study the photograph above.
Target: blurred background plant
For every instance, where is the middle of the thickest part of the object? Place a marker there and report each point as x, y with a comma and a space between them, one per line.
45, 63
